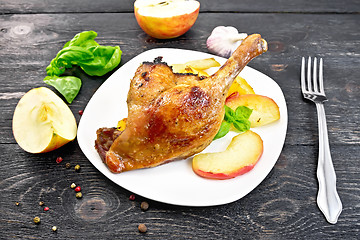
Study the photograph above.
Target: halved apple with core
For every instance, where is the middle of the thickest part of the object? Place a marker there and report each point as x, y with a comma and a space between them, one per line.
265, 109
164, 19
42, 122
240, 157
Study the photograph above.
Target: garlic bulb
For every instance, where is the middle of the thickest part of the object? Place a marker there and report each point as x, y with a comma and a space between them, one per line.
223, 41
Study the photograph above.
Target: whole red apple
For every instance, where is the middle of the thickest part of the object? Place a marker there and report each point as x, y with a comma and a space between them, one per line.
164, 19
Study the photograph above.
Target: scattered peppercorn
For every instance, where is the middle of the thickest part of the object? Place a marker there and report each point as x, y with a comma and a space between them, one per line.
77, 168
68, 165
73, 185
46, 208
142, 228
59, 159
132, 197
36, 220
78, 195
41, 203
144, 206
17, 203
81, 112
78, 189
54, 228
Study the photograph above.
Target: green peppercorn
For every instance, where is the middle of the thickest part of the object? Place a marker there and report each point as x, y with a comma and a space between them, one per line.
77, 168
36, 220
78, 195
73, 185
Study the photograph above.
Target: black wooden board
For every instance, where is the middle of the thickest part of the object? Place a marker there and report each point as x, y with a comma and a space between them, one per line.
283, 206
264, 6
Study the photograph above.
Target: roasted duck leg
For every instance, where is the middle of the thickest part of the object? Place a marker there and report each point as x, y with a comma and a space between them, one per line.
172, 116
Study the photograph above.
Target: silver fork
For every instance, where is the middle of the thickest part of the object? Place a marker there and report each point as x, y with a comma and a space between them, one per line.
313, 89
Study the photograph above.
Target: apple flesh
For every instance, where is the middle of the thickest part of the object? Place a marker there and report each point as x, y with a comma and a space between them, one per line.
164, 19
265, 109
196, 66
42, 121
242, 154
241, 86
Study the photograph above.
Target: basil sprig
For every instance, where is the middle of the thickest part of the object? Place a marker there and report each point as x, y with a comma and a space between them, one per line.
84, 51
238, 118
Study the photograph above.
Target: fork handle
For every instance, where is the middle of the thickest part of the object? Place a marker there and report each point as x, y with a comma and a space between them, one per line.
327, 199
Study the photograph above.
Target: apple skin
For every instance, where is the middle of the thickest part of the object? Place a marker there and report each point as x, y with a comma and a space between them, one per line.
224, 176
240, 157
265, 109
168, 27
55, 143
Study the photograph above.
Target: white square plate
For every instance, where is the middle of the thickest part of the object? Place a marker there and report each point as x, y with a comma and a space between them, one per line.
175, 182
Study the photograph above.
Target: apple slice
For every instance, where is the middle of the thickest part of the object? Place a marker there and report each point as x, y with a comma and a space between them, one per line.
195, 66
182, 68
42, 122
243, 152
265, 109
164, 19
241, 86
203, 64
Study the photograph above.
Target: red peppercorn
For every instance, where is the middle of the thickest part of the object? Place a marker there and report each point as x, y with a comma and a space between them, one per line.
78, 189
132, 197
46, 208
59, 160
81, 112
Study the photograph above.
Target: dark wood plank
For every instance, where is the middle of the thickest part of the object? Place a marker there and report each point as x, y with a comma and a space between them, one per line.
83, 6
283, 206
23, 35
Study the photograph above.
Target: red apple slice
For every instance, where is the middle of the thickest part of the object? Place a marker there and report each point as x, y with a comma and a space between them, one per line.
165, 19
265, 109
240, 157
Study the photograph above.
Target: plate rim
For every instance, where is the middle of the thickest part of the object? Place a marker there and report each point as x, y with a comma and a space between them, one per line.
113, 177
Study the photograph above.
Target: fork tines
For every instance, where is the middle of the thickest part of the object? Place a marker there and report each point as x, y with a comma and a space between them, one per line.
313, 84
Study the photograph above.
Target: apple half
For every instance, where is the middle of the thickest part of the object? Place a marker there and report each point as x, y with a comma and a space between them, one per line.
265, 109
164, 19
42, 121
242, 154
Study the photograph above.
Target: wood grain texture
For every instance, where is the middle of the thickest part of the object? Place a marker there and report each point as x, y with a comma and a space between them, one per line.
86, 6
283, 206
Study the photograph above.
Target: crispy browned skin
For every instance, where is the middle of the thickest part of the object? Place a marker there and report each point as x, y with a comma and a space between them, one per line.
174, 116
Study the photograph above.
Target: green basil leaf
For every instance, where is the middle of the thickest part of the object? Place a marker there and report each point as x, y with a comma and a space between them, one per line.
242, 125
84, 39
68, 86
85, 52
243, 112
106, 58
53, 69
229, 114
224, 129
67, 57
74, 55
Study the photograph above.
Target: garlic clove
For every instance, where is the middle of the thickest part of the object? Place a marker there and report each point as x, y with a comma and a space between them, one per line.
223, 41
